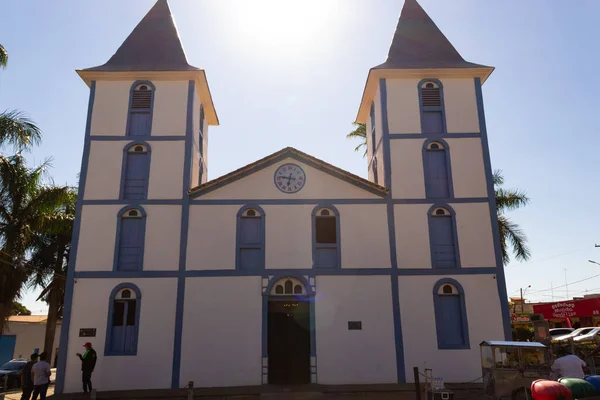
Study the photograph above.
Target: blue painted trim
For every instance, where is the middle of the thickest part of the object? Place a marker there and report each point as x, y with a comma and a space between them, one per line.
315, 246
124, 168
459, 200
439, 320
118, 235
265, 326
134, 202
493, 213
430, 217
129, 106
289, 201
285, 165
111, 309
70, 284
185, 213
283, 156
238, 235
387, 167
427, 172
422, 108
433, 135
131, 138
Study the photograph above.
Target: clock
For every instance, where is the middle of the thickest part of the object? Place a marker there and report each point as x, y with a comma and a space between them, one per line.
289, 178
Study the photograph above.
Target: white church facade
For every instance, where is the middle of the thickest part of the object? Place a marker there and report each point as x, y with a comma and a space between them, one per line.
288, 270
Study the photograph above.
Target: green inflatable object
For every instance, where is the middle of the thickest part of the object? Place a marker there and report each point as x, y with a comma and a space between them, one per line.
579, 388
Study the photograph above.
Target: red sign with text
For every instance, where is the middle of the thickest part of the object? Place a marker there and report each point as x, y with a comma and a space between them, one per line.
569, 309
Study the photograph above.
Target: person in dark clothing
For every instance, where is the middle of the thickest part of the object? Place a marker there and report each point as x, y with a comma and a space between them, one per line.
26, 381
88, 362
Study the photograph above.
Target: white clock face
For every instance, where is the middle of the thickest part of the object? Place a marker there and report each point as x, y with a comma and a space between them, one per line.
289, 178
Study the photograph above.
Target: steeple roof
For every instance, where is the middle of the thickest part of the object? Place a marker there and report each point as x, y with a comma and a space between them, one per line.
418, 43
153, 45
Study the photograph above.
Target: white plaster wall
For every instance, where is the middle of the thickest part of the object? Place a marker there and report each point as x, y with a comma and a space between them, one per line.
103, 180
412, 235
354, 357
170, 108
163, 233
31, 336
222, 328
211, 237
475, 239
152, 367
460, 105
404, 115
408, 179
468, 171
260, 185
166, 170
288, 235
419, 331
111, 104
364, 236
97, 234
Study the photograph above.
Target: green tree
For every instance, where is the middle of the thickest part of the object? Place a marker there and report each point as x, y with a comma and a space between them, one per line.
27, 206
3, 57
511, 235
47, 264
19, 309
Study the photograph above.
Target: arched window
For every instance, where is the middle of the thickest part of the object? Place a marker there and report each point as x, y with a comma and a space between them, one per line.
432, 106
450, 315
443, 238
123, 320
251, 238
140, 109
288, 286
136, 171
326, 237
436, 166
129, 252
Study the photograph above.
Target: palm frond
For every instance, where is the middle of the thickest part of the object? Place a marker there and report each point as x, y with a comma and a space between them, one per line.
3, 57
498, 178
360, 132
510, 199
18, 130
511, 233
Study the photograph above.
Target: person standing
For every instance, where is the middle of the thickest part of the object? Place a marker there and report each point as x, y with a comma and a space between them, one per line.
88, 362
26, 380
40, 372
567, 365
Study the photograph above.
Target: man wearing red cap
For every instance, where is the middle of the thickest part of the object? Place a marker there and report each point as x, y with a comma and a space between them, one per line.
88, 362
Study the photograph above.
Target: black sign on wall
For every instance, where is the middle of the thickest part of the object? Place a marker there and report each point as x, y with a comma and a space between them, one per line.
87, 332
355, 325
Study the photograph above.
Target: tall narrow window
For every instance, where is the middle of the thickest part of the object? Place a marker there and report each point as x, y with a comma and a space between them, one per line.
130, 245
432, 112
373, 143
123, 323
326, 239
140, 113
375, 173
136, 171
201, 145
450, 315
437, 174
251, 239
442, 234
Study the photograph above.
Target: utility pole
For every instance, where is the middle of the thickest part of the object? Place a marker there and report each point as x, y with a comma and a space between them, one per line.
522, 300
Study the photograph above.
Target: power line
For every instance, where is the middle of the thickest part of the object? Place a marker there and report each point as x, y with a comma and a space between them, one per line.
565, 285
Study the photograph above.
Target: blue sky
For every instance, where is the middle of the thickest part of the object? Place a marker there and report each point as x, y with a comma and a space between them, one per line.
291, 73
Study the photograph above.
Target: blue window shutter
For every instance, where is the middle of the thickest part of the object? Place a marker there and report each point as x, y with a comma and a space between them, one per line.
451, 320
136, 175
250, 230
432, 122
326, 257
442, 242
437, 179
130, 245
139, 123
250, 243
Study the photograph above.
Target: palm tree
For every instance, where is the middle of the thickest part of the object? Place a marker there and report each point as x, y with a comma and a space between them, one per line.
359, 132
47, 264
27, 206
511, 235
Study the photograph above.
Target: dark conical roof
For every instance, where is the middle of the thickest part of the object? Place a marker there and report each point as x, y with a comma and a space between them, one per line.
153, 45
418, 43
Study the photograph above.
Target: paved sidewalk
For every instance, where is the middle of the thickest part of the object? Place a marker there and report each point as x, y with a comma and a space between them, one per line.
16, 395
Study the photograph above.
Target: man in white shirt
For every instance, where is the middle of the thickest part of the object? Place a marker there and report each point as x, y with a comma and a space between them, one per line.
40, 372
567, 365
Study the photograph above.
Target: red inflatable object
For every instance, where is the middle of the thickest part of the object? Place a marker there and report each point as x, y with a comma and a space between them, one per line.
543, 389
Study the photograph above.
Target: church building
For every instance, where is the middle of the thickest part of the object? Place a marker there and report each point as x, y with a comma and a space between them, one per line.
289, 270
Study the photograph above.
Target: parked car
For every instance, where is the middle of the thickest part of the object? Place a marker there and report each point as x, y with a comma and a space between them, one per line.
555, 332
588, 337
10, 374
574, 334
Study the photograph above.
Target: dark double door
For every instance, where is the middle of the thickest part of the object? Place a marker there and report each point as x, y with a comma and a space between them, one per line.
288, 343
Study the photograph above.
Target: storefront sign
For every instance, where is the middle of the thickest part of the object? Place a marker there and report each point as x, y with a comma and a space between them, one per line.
569, 309
520, 319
